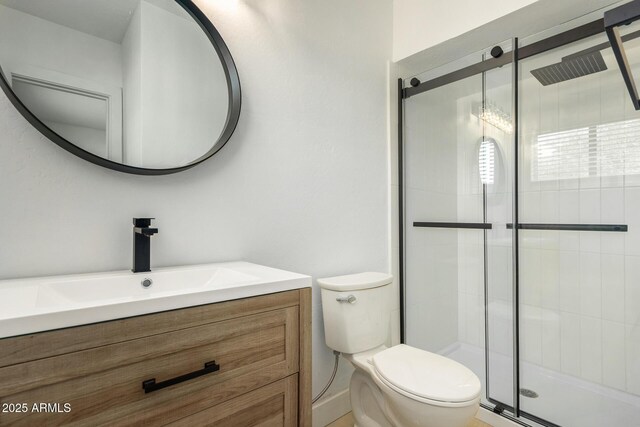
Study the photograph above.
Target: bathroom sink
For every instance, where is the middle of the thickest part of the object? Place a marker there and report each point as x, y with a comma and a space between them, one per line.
129, 285
44, 303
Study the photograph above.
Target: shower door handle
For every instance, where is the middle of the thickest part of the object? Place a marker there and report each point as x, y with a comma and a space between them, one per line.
572, 227
472, 225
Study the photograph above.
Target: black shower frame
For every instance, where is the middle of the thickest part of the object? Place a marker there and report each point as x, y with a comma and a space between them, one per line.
575, 34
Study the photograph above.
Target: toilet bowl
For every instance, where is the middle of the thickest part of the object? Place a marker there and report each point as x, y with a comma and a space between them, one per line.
400, 386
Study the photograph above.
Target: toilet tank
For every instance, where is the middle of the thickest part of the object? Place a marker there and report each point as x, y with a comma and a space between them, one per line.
356, 310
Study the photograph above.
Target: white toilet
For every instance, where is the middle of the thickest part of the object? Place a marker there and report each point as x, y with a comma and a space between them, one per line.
399, 386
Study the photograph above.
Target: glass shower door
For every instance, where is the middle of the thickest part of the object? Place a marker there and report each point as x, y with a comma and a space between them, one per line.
579, 242
565, 349
458, 187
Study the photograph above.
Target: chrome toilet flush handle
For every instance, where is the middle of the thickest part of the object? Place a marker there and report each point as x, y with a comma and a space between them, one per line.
350, 299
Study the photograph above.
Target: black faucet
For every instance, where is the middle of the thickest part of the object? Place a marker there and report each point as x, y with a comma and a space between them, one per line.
142, 233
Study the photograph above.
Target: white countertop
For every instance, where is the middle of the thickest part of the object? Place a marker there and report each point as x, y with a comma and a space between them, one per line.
46, 303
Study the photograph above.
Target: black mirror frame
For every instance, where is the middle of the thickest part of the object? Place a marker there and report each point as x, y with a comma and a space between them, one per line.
233, 114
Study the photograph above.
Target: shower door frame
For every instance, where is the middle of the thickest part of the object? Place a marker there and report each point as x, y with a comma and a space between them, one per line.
513, 57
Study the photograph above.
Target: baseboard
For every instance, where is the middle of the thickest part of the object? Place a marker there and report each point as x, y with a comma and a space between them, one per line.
331, 408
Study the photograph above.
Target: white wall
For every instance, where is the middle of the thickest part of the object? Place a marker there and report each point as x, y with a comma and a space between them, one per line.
421, 24
431, 33
302, 185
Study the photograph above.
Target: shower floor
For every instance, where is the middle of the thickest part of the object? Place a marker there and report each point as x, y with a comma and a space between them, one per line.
562, 399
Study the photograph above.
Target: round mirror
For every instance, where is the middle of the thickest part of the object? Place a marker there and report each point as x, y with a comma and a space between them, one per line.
140, 86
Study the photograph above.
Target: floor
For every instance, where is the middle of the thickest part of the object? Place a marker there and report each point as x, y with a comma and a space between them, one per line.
347, 421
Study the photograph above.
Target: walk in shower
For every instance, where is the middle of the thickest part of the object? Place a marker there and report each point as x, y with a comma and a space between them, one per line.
520, 207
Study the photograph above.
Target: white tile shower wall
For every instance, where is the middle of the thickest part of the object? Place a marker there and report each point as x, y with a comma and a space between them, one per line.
471, 132
302, 185
431, 254
445, 268
580, 288
470, 209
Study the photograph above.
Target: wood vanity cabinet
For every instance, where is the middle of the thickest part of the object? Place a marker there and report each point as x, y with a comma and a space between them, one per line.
94, 374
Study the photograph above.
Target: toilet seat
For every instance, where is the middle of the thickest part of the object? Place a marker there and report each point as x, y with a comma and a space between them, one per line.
426, 377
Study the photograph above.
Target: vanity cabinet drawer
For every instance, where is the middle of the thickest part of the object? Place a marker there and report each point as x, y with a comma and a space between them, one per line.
104, 385
273, 405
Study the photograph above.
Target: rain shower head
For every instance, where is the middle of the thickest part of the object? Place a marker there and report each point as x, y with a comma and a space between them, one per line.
579, 64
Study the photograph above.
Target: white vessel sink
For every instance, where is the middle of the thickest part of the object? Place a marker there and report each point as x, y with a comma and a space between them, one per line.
45, 303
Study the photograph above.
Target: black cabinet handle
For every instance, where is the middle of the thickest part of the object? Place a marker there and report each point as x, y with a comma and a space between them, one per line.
152, 385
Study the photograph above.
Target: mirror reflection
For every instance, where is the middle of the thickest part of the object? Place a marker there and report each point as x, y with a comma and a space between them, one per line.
113, 77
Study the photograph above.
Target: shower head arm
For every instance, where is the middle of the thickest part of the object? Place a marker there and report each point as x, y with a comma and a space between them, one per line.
623, 15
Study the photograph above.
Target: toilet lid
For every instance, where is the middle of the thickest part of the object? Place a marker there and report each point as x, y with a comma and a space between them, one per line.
427, 375
355, 282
